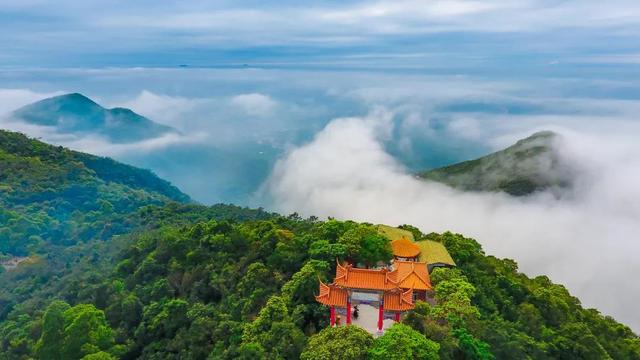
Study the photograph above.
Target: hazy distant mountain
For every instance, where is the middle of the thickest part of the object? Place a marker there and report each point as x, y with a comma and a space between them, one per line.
530, 165
76, 113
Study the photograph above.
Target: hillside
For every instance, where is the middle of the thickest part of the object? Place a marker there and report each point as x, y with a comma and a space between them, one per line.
77, 114
50, 195
530, 165
121, 267
222, 289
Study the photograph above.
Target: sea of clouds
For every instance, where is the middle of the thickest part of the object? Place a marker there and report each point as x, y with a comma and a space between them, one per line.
589, 241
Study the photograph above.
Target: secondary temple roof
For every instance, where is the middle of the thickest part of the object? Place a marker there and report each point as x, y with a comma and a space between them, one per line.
399, 300
332, 295
433, 252
405, 248
412, 275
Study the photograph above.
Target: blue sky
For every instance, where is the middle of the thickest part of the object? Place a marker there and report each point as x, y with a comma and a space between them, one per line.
442, 35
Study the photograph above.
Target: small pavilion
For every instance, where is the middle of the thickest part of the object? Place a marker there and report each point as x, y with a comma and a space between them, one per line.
405, 250
392, 291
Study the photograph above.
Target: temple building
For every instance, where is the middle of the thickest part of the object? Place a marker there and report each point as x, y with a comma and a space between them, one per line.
392, 292
405, 250
392, 289
434, 254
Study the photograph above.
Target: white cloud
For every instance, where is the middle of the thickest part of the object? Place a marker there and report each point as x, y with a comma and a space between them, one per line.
465, 127
168, 110
255, 104
325, 24
588, 243
98, 145
13, 99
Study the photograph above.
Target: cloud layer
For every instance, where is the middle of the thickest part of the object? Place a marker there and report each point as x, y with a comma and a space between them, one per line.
348, 32
588, 242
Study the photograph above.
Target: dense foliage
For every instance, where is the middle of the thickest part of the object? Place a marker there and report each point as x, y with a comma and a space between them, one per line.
183, 281
224, 289
52, 196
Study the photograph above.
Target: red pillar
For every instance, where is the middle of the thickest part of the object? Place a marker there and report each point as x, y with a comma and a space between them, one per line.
398, 316
348, 312
332, 315
380, 315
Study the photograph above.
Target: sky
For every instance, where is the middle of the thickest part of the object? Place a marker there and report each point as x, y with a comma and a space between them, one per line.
330, 108
438, 34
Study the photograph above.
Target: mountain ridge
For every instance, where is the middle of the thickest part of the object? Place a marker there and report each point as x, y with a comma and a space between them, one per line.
530, 165
78, 114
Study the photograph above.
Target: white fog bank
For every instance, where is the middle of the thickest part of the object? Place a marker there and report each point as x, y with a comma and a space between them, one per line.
588, 241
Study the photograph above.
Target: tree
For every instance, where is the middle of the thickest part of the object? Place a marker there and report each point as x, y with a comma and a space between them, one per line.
453, 294
401, 342
473, 349
51, 342
344, 342
374, 248
99, 356
86, 332
423, 320
575, 341
363, 244
274, 331
73, 332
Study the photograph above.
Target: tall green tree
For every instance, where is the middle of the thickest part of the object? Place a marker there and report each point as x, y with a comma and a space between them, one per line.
401, 342
274, 332
73, 332
52, 341
363, 244
342, 342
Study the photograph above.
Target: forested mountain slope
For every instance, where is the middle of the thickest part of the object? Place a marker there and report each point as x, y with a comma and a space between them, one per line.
50, 195
182, 281
226, 289
530, 165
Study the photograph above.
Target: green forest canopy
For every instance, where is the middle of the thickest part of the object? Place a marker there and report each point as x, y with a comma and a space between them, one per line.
125, 267
52, 196
227, 289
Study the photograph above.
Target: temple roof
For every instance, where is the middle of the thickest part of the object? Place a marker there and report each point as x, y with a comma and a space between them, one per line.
405, 248
393, 233
332, 295
356, 278
434, 253
398, 300
412, 275
405, 274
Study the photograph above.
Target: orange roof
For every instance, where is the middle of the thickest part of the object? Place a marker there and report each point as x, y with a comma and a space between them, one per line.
412, 275
332, 295
375, 279
405, 248
398, 300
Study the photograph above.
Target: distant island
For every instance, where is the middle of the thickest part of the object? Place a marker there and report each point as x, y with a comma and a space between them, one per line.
77, 114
